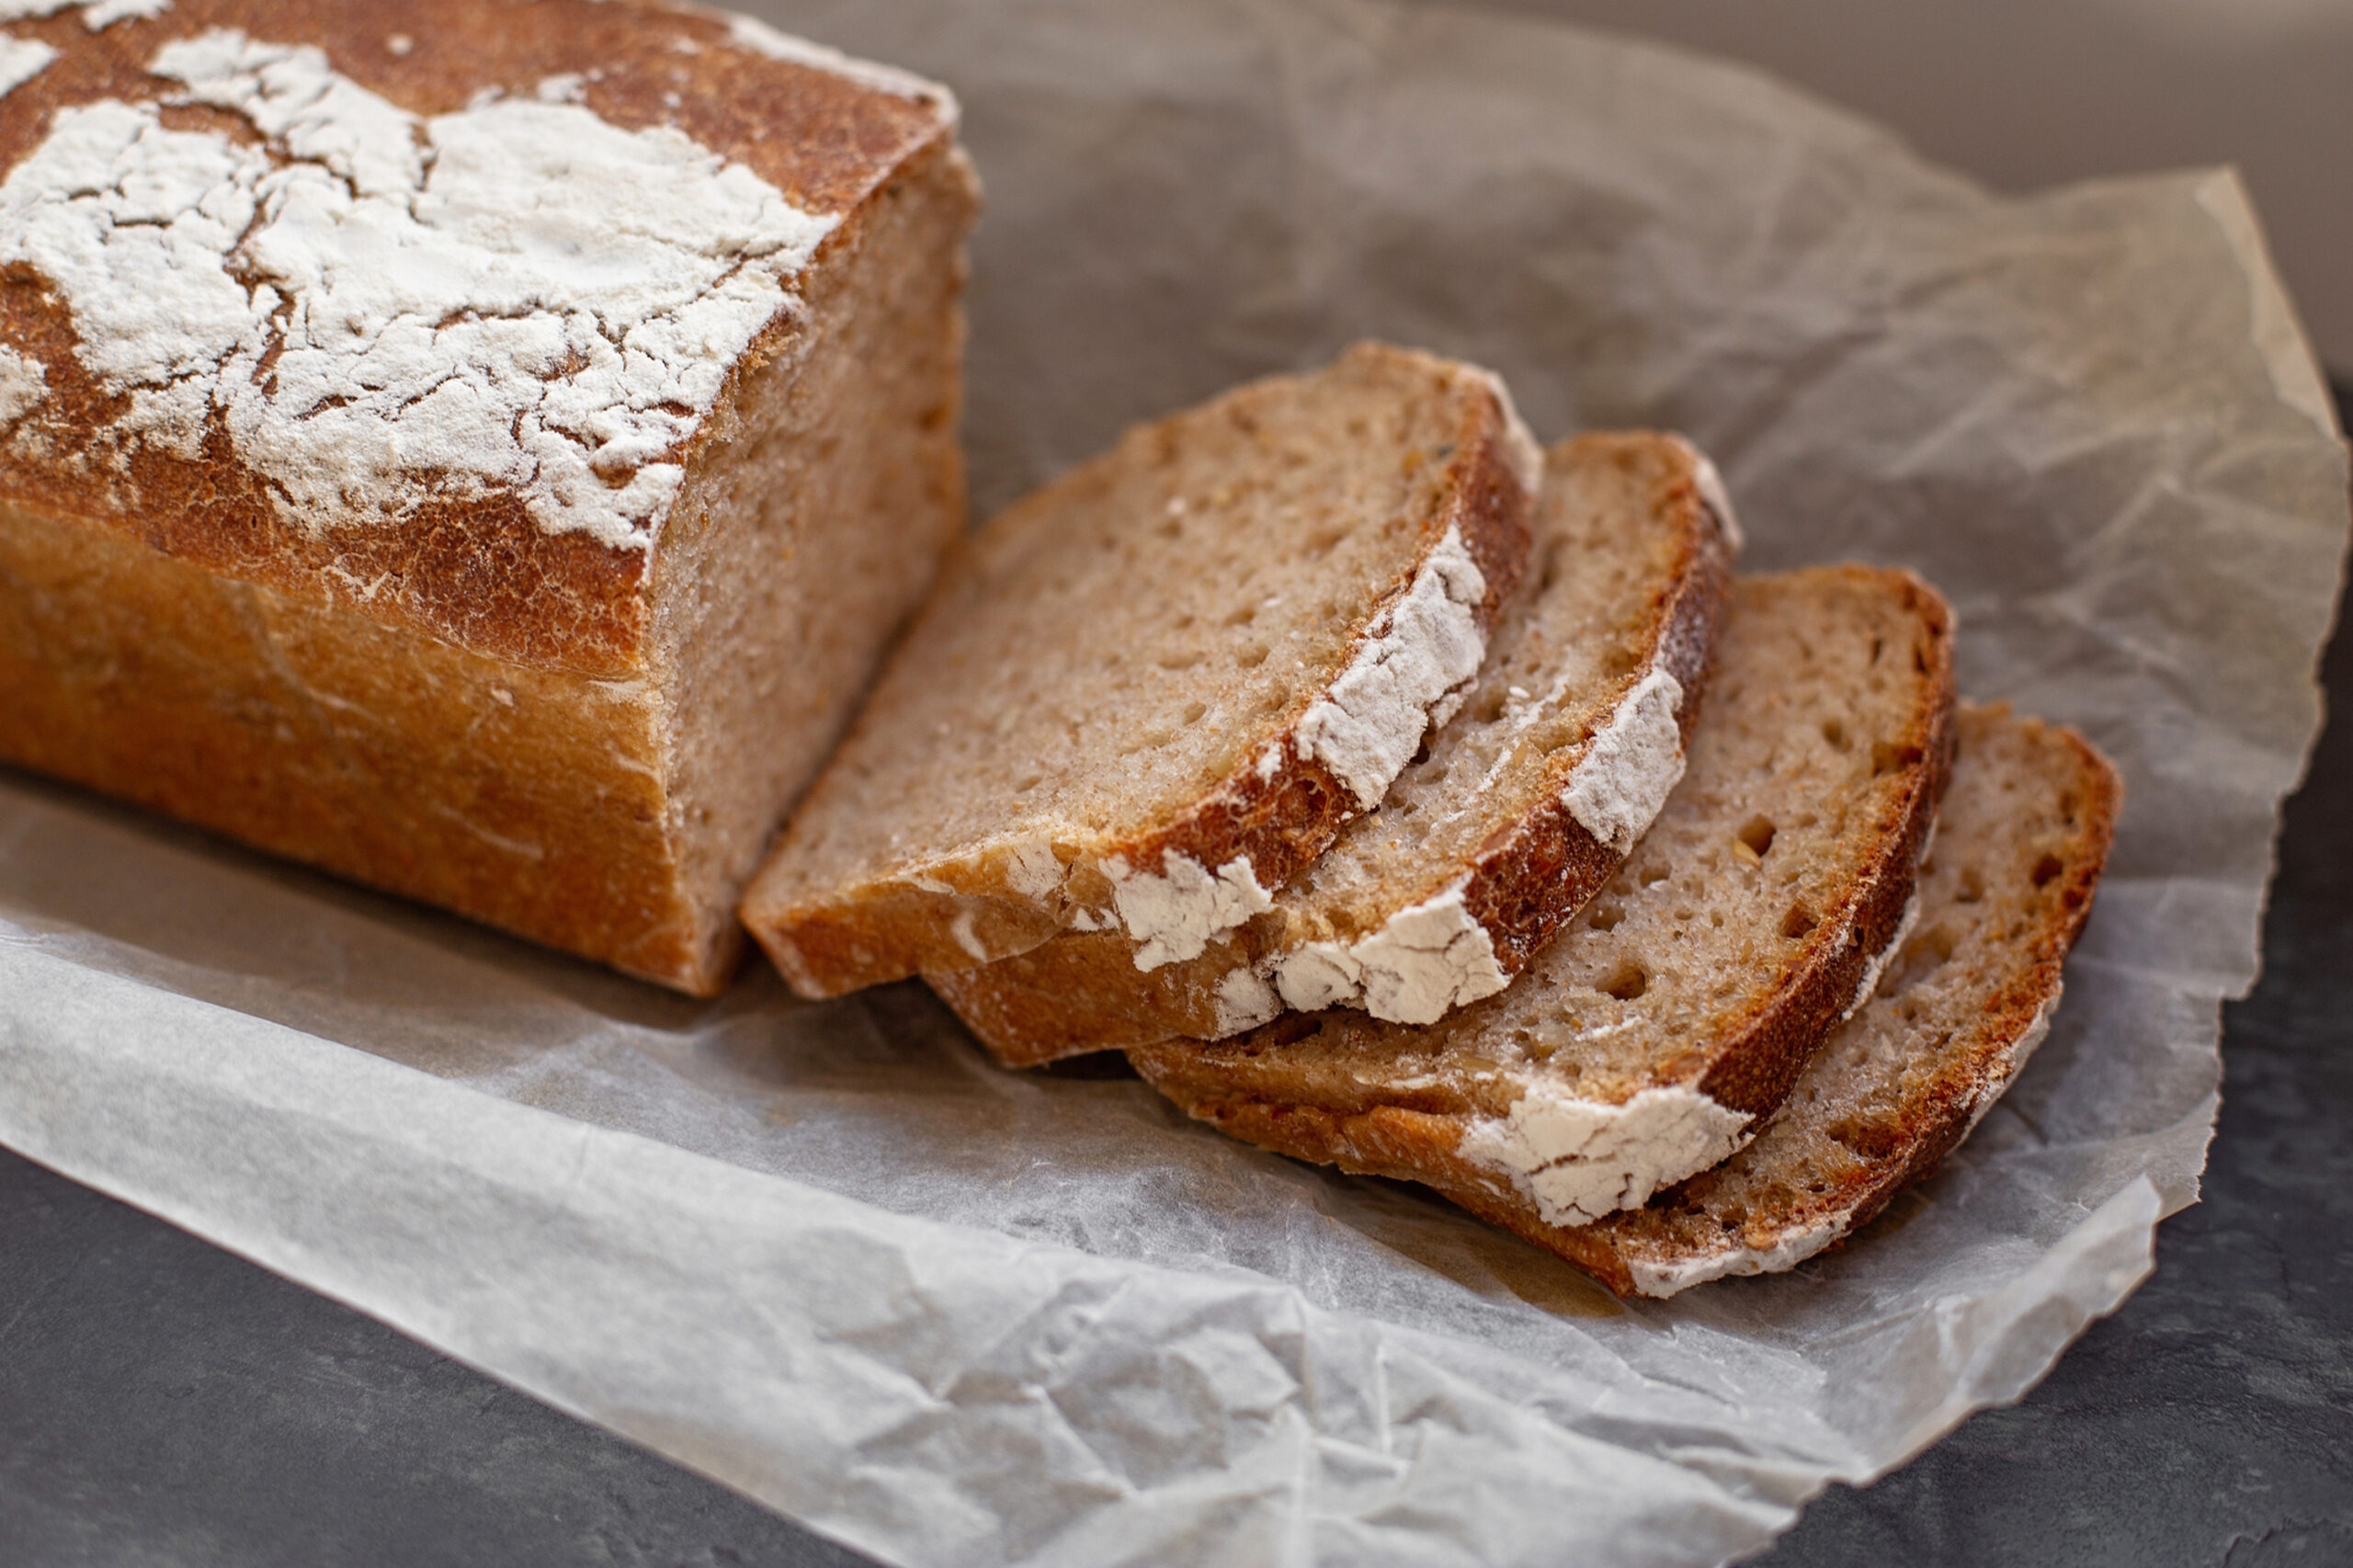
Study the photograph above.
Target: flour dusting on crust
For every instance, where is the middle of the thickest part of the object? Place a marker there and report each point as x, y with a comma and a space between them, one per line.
23, 384
1578, 1159
1630, 766
1426, 644
103, 14
1423, 962
751, 33
1789, 1248
21, 59
1172, 914
384, 310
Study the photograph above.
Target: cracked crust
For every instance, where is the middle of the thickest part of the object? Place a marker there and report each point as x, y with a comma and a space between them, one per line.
533, 728
1384, 1100
941, 907
478, 573
1529, 870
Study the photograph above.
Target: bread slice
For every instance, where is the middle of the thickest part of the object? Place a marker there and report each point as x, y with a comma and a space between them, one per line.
479, 447
1648, 1041
1515, 813
1149, 693
2023, 831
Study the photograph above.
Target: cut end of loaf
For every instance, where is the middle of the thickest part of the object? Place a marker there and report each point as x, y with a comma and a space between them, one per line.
1147, 694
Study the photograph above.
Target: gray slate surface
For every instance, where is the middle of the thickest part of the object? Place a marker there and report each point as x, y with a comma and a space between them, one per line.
164, 1402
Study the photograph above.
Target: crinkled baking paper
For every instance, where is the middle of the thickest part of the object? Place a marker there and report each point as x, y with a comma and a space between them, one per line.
955, 1316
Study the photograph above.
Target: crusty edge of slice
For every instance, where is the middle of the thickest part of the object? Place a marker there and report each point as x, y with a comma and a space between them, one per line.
1083, 992
1971, 1076
1254, 831
1753, 1074
1747, 1075
1522, 889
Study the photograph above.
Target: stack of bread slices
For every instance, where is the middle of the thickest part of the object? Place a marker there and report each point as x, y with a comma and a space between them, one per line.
1401, 797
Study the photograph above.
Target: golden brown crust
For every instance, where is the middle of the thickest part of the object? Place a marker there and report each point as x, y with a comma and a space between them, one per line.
1082, 991
306, 730
478, 573
1280, 817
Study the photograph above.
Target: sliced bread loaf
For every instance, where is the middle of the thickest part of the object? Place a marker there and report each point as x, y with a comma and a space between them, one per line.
2021, 841
1148, 694
1647, 1042
1515, 814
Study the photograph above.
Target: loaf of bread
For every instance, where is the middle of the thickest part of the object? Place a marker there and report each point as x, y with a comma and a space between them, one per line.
2023, 833
479, 447
1148, 695
1657, 1031
1519, 807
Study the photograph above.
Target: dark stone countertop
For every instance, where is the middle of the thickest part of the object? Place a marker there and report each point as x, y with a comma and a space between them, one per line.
164, 1403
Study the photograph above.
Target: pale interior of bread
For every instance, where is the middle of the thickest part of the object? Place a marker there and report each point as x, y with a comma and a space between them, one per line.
807, 529
1113, 647
1557, 665
1821, 676
1935, 1043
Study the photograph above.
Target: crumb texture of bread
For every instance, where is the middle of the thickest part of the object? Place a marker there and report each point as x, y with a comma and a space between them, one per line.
1479, 853
2020, 842
1145, 696
479, 448
1676, 1009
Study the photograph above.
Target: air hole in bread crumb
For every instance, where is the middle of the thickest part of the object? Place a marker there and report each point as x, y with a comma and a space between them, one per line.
1552, 572
1872, 1140
1251, 655
2046, 869
1242, 617
1972, 886
1835, 731
1922, 956
1887, 757
1028, 783
1629, 982
1604, 916
1756, 835
1293, 1028
1651, 876
1195, 709
1798, 922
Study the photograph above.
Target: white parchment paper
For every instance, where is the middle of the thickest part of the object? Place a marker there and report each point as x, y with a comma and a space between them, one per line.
955, 1316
